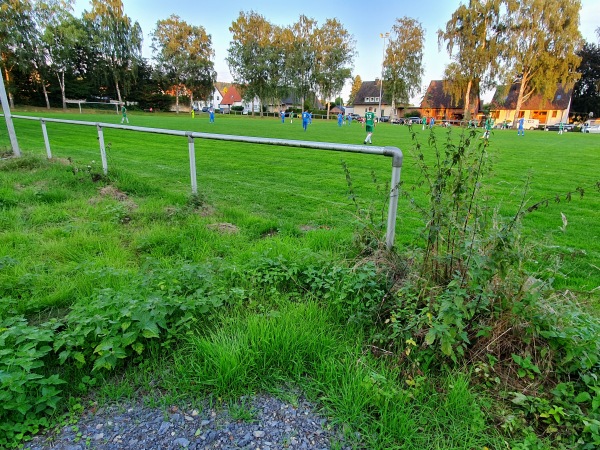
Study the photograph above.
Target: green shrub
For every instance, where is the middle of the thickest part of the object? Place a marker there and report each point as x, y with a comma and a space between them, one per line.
27, 393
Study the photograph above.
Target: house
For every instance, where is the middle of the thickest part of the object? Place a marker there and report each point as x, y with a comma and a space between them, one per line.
548, 112
229, 97
438, 103
368, 97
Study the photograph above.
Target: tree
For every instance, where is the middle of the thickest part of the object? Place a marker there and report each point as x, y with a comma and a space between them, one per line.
17, 29
539, 45
118, 41
586, 93
184, 56
356, 84
334, 57
62, 41
256, 56
301, 62
403, 62
473, 33
48, 14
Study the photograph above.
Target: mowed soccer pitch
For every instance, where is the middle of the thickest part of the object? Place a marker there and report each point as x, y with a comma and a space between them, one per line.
274, 194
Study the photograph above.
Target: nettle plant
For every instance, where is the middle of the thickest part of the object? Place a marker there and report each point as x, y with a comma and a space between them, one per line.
466, 265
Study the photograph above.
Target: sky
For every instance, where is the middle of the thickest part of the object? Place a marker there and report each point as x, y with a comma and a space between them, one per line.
365, 20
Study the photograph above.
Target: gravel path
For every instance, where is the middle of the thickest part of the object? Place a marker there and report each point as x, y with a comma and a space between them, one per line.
270, 424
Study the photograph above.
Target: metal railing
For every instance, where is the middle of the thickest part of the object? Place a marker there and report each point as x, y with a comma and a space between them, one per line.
393, 152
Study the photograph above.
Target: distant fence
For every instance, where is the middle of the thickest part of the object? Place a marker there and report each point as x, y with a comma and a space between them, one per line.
393, 152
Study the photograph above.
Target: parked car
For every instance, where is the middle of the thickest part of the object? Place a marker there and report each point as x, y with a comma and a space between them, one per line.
397, 121
355, 116
205, 109
556, 127
384, 119
591, 129
504, 125
412, 120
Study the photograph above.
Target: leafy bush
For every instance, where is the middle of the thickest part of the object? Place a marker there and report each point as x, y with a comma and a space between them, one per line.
27, 393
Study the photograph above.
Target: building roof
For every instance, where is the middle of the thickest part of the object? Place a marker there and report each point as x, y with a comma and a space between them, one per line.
230, 94
436, 97
507, 99
369, 90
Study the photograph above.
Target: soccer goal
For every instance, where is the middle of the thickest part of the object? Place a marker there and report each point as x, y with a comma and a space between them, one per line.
93, 106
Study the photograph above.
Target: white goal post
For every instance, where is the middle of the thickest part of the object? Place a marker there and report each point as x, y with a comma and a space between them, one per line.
93, 105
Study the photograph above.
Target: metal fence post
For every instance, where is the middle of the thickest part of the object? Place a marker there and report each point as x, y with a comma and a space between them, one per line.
102, 149
9, 123
192, 163
397, 158
46, 141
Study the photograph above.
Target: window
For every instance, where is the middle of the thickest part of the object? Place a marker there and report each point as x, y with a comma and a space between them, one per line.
376, 99
554, 113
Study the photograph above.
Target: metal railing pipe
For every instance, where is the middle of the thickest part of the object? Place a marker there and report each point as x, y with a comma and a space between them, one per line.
393, 152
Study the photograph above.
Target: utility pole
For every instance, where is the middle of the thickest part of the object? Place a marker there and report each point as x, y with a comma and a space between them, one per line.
384, 36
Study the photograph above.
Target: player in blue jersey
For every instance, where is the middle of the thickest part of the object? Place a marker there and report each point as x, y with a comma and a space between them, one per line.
305, 119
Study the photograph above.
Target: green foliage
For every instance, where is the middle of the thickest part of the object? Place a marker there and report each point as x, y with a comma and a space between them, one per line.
27, 393
114, 325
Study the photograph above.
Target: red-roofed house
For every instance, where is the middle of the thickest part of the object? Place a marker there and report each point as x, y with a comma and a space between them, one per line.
229, 97
439, 104
548, 112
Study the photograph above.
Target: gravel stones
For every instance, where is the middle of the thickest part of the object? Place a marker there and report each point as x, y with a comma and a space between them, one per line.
269, 424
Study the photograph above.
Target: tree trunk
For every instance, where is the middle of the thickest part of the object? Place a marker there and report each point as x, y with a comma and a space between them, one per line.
11, 100
45, 94
467, 113
61, 83
519, 100
118, 90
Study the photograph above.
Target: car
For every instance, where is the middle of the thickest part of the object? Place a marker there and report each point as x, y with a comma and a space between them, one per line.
504, 125
384, 119
591, 129
205, 109
355, 116
556, 127
397, 121
412, 120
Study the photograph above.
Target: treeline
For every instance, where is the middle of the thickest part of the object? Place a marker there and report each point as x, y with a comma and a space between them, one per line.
49, 55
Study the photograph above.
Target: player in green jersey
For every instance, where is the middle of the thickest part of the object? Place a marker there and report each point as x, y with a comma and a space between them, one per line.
370, 125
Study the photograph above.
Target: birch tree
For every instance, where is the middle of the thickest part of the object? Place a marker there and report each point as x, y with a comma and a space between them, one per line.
539, 46
118, 41
471, 38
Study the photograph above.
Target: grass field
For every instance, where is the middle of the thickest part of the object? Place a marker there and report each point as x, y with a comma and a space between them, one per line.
71, 242
264, 188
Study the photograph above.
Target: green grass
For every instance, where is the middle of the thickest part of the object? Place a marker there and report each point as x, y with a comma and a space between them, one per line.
266, 189
64, 237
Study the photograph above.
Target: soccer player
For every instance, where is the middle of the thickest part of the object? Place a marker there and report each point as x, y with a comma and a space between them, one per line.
370, 125
340, 119
211, 115
424, 122
282, 115
431, 122
521, 130
305, 119
124, 113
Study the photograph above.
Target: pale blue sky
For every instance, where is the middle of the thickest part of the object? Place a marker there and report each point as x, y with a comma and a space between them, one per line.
365, 20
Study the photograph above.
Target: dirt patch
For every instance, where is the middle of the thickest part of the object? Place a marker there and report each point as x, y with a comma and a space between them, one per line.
112, 192
270, 233
206, 211
314, 227
224, 228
